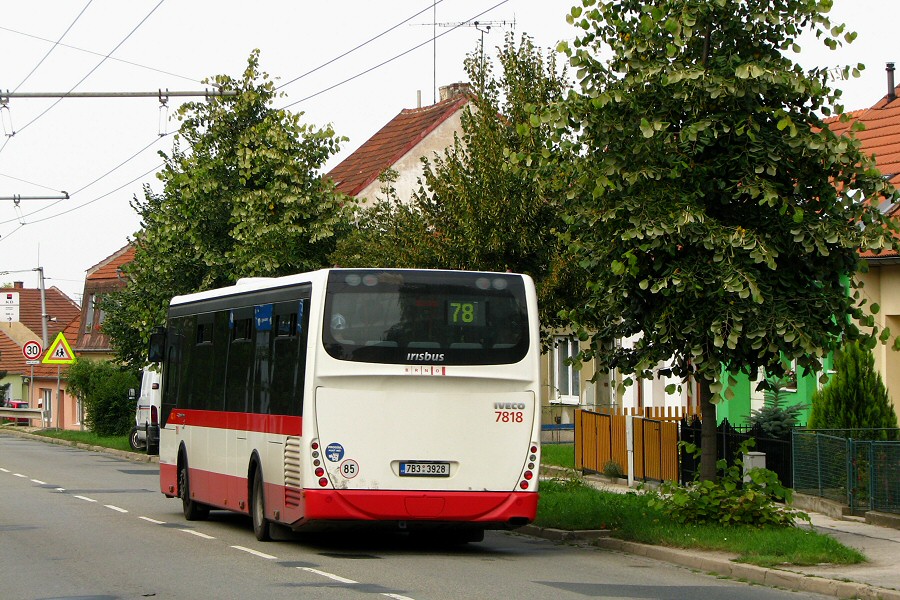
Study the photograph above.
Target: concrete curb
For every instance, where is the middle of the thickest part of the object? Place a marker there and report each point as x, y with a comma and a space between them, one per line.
724, 566
766, 576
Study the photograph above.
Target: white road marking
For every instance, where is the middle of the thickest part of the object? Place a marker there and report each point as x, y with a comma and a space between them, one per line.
4, 470
39, 482
255, 552
153, 520
198, 534
60, 489
328, 575
115, 508
85, 498
20, 475
397, 597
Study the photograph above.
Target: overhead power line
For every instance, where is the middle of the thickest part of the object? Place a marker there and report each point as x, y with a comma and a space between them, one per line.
55, 44
101, 54
157, 94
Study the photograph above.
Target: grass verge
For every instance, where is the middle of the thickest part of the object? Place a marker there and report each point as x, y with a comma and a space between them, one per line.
572, 505
558, 455
119, 442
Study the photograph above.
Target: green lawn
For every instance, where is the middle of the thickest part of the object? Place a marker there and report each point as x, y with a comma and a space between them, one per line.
571, 504
559, 455
86, 437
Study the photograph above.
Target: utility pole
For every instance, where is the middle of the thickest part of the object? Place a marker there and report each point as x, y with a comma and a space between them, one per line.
44, 315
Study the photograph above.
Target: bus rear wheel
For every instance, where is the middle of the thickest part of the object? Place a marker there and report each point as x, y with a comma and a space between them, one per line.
261, 527
193, 510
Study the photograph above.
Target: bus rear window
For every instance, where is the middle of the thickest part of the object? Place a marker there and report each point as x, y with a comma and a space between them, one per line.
430, 317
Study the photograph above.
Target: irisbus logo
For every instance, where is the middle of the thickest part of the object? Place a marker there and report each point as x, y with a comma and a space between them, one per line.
425, 357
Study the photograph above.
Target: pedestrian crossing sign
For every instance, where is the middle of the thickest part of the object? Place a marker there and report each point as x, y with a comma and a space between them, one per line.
59, 353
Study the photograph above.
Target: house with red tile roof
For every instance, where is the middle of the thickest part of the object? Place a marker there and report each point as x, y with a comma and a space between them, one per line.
399, 145
881, 139
40, 385
104, 277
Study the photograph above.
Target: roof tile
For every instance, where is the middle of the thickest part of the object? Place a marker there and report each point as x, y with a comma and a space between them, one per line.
390, 143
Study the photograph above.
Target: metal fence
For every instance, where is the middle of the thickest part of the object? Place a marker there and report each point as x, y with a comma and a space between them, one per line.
858, 468
728, 442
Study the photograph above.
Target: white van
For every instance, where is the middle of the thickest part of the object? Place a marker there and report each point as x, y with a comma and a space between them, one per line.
145, 433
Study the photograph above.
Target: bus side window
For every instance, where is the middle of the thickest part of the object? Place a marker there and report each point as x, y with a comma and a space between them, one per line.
289, 358
239, 375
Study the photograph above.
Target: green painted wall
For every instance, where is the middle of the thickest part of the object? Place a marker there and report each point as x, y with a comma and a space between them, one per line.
737, 410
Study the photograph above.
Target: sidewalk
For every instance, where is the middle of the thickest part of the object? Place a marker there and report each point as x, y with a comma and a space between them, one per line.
877, 579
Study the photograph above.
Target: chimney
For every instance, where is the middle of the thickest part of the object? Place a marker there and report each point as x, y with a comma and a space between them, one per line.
19, 285
453, 90
892, 91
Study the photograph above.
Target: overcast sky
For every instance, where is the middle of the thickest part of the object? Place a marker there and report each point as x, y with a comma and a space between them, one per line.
101, 151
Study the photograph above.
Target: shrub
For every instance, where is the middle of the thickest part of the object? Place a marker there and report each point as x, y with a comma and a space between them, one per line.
774, 418
613, 469
728, 500
855, 397
103, 388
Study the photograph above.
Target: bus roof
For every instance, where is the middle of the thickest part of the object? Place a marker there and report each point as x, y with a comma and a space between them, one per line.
253, 284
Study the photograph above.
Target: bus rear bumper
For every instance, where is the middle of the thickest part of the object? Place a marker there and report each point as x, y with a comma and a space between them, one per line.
489, 510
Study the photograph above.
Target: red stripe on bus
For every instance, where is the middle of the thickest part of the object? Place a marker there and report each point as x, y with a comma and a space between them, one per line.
384, 505
225, 491
217, 419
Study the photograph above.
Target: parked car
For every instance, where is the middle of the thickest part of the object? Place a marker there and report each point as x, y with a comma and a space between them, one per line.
145, 433
18, 404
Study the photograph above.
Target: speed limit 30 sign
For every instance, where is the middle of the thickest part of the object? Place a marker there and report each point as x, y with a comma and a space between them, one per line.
32, 350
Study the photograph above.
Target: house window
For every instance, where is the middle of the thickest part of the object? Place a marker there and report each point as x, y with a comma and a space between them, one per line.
567, 378
89, 313
93, 315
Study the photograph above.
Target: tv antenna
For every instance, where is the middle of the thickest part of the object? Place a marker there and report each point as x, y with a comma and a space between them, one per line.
482, 26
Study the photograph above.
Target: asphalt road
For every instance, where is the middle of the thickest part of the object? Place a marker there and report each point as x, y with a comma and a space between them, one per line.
77, 524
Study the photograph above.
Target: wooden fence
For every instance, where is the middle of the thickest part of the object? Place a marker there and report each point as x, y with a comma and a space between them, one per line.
602, 437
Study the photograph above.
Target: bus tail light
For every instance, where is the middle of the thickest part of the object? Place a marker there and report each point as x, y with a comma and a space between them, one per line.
319, 470
531, 466
154, 415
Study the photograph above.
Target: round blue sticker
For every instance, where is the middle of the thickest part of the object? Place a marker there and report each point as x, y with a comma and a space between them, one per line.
334, 452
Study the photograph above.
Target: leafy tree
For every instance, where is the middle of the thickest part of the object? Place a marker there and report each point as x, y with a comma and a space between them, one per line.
241, 197
475, 209
103, 389
855, 397
716, 216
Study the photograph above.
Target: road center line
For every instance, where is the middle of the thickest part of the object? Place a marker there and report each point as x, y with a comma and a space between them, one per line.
4, 470
153, 520
20, 475
85, 498
255, 552
39, 482
328, 575
397, 597
115, 508
198, 534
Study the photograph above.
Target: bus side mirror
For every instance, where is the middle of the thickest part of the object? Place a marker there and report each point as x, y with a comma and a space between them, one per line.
157, 349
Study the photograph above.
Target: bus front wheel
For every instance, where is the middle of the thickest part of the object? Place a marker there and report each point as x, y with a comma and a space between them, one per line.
193, 510
258, 509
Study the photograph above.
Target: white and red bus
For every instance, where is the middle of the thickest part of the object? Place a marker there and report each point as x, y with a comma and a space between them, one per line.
402, 398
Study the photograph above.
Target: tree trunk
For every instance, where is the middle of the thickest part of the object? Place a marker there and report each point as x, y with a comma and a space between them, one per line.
707, 433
